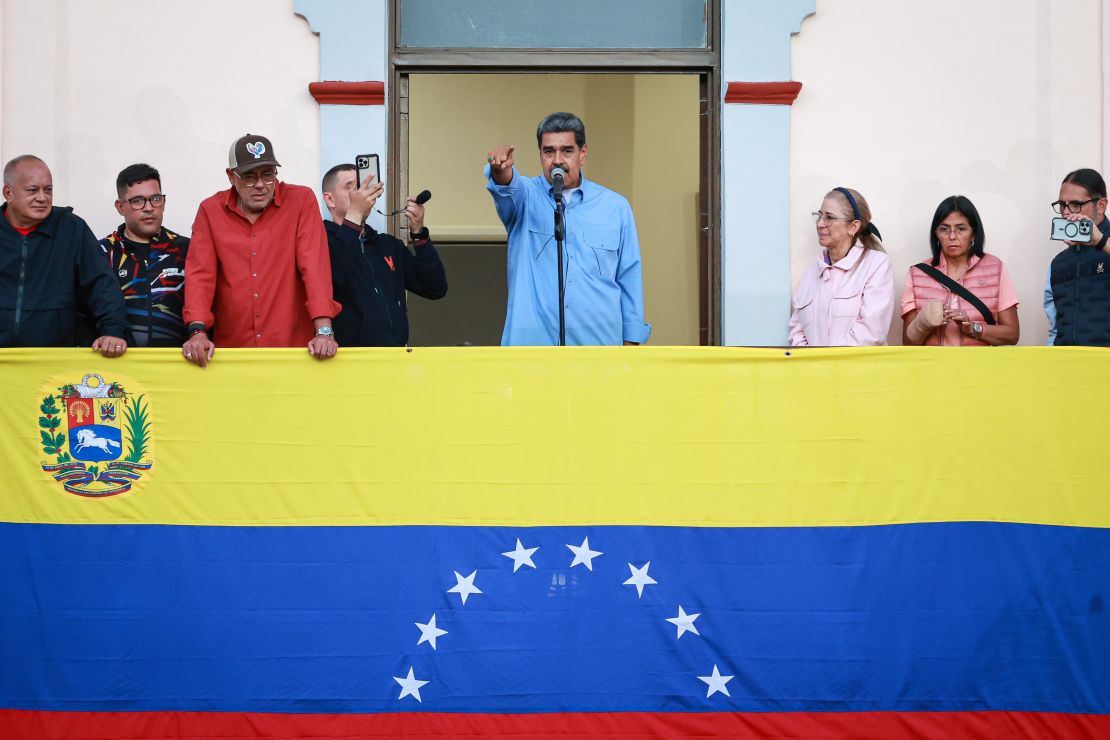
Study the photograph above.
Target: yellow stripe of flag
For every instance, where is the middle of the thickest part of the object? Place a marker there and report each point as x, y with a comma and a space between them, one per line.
637, 436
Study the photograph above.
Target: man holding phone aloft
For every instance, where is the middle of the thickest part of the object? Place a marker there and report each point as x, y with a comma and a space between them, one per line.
371, 271
604, 295
1077, 292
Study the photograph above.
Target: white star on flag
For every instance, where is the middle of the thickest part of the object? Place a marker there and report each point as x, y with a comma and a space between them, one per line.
429, 632
410, 686
521, 556
583, 554
716, 683
640, 578
684, 622
465, 586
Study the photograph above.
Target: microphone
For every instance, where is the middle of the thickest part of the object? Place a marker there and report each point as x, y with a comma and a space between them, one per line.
421, 199
557, 175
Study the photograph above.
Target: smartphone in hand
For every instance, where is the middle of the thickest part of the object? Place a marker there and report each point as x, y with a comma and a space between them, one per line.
1079, 231
366, 166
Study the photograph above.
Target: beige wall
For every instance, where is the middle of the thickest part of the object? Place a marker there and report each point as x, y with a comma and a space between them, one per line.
993, 100
665, 186
642, 134
94, 86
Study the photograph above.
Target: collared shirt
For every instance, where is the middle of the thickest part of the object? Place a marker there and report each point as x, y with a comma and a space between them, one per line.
262, 283
604, 295
1049, 306
846, 304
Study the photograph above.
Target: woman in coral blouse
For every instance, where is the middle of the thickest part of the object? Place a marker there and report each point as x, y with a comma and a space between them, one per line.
963, 296
846, 299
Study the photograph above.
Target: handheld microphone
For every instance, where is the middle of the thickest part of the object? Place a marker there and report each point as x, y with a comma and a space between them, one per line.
421, 199
557, 175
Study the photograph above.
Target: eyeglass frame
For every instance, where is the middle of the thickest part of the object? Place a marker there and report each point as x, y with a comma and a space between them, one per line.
819, 216
1073, 206
143, 200
958, 229
257, 177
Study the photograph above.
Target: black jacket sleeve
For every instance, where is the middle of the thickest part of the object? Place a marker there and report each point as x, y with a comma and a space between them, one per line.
424, 273
97, 286
344, 246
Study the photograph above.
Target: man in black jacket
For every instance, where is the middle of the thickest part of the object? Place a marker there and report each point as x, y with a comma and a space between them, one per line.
1078, 290
49, 263
371, 271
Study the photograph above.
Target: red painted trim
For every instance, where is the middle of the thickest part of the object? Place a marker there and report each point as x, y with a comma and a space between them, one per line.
763, 93
348, 93
38, 725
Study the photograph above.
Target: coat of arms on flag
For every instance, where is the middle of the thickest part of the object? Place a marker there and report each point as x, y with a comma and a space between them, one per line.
106, 444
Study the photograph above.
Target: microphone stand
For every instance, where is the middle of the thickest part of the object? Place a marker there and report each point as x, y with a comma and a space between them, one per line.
559, 235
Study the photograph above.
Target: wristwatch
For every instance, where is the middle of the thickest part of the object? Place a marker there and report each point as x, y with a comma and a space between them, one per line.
195, 327
976, 329
422, 235
325, 331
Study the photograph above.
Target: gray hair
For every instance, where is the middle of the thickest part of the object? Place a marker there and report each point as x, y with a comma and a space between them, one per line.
11, 166
557, 123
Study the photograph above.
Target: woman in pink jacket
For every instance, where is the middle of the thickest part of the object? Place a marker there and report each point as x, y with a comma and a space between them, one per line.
963, 297
846, 299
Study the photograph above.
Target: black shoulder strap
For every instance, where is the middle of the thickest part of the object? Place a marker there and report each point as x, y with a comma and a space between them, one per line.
958, 289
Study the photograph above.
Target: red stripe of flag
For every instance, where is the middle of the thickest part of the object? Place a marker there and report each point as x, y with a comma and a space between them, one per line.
39, 725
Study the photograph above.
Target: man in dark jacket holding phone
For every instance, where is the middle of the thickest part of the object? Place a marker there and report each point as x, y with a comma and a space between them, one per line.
372, 271
50, 263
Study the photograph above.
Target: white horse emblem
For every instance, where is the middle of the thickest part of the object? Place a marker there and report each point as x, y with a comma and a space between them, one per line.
88, 438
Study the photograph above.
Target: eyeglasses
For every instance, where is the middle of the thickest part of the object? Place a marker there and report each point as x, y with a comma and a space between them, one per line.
960, 230
139, 202
1071, 206
828, 217
268, 177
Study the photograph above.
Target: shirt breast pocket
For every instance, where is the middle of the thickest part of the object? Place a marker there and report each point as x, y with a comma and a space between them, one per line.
604, 247
540, 235
846, 306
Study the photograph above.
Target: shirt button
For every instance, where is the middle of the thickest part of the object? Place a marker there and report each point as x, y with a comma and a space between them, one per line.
256, 296
252, 254
258, 335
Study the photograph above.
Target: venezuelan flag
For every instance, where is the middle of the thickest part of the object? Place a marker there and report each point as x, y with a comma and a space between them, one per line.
887, 543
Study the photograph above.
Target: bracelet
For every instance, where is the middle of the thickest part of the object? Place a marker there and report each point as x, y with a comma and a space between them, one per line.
195, 328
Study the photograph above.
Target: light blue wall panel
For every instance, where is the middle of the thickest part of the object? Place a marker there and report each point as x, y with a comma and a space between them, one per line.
755, 143
353, 48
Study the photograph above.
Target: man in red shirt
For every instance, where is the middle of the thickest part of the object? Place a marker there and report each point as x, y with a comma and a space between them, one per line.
258, 265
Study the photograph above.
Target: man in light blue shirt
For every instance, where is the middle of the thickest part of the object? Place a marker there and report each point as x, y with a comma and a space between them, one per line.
604, 295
